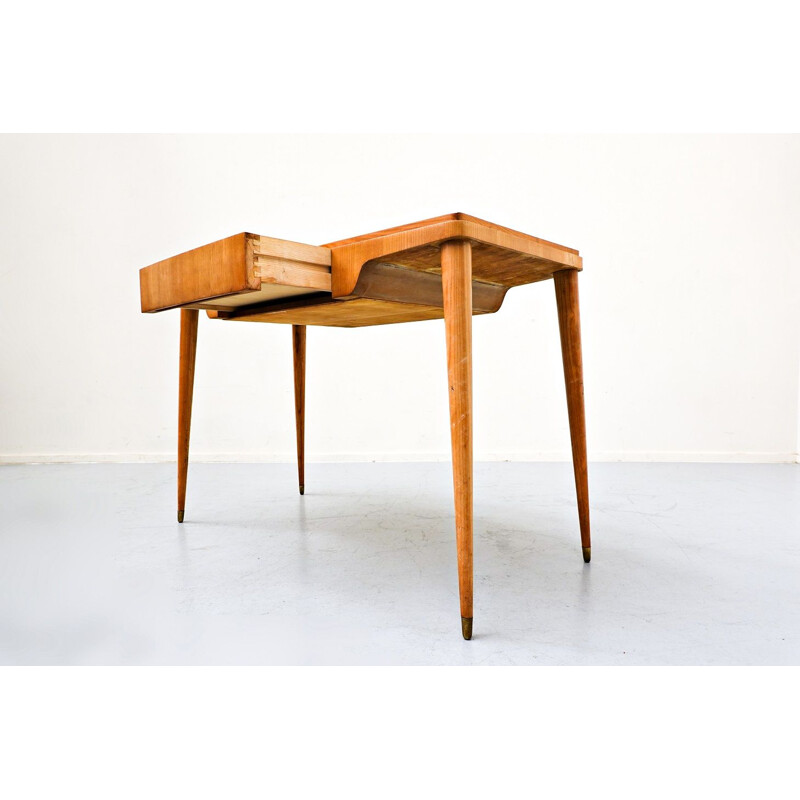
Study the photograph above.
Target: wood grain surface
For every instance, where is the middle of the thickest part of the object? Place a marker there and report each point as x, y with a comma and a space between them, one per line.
448, 267
456, 279
188, 351
299, 359
523, 258
251, 277
569, 321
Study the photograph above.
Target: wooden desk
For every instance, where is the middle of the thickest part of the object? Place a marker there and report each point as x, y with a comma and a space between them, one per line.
452, 266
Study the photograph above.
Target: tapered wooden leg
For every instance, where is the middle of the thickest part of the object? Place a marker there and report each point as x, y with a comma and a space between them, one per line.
185, 388
299, 351
569, 322
457, 290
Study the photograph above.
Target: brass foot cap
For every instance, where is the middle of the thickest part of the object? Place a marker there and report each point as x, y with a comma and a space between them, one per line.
587, 554
180, 516
466, 627
302, 488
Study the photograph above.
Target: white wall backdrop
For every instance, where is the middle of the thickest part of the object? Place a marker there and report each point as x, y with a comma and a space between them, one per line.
690, 296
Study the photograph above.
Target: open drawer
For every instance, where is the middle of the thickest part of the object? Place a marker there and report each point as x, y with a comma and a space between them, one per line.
384, 277
242, 270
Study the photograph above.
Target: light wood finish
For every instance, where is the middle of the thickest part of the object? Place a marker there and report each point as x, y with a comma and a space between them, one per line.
299, 357
285, 263
457, 283
188, 351
450, 267
566, 284
445, 218
502, 256
392, 294
381, 281
251, 275
219, 268
268, 293
338, 313
240, 270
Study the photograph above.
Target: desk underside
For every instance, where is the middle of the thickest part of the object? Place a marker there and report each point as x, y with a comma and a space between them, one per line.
377, 279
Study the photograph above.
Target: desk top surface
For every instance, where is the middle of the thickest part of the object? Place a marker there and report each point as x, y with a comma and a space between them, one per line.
443, 218
392, 275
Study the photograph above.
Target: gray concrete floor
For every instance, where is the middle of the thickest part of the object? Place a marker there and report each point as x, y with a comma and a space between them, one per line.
692, 564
